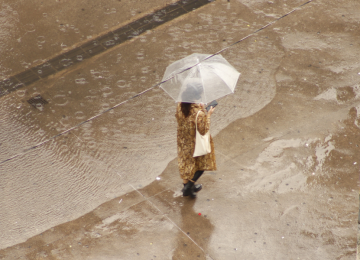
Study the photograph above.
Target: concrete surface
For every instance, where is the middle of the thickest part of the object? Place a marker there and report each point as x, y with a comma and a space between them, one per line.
286, 141
52, 27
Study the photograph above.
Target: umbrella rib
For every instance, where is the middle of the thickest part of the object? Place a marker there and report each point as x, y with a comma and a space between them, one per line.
214, 71
202, 83
168, 93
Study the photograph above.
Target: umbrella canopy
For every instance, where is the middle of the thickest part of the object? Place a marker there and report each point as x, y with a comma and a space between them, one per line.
209, 80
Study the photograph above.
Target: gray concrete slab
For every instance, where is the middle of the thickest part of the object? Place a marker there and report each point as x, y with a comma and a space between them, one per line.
286, 144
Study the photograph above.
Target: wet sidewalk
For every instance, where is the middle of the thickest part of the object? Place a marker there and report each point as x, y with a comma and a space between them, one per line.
93, 47
286, 142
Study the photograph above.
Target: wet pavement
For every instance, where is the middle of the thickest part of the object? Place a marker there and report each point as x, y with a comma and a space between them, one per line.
99, 44
286, 142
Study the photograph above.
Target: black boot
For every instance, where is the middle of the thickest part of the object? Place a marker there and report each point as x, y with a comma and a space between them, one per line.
189, 190
197, 187
197, 175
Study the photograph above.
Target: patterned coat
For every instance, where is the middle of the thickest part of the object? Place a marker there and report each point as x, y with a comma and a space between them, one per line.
186, 130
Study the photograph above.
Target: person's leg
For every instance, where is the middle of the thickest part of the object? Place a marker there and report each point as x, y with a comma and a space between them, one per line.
184, 182
197, 175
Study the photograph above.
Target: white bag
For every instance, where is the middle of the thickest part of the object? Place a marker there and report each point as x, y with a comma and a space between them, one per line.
202, 142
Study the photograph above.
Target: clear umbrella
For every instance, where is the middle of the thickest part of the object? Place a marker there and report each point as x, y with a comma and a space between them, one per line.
203, 82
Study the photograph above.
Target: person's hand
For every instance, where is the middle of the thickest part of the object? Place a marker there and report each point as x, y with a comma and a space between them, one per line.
202, 105
211, 111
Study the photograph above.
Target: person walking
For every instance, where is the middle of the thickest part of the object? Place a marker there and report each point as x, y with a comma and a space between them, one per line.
191, 168
194, 80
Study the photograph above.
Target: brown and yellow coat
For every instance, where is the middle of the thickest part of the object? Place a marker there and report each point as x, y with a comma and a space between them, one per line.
186, 130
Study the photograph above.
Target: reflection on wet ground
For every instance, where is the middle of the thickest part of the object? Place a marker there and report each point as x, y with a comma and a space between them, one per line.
286, 143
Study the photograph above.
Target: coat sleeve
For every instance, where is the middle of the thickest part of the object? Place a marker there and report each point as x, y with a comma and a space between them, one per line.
203, 123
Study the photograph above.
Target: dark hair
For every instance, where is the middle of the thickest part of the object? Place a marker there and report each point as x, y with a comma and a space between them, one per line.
193, 92
185, 108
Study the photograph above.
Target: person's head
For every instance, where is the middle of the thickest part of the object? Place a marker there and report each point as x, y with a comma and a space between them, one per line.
192, 92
